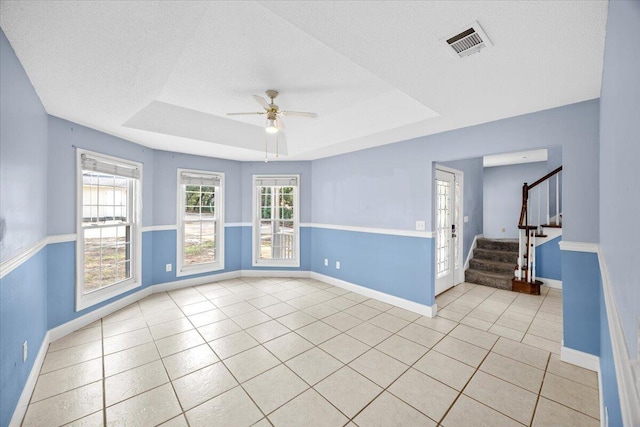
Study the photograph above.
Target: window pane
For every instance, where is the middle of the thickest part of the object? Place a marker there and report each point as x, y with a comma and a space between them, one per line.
266, 238
199, 224
192, 242
105, 200
208, 241
276, 232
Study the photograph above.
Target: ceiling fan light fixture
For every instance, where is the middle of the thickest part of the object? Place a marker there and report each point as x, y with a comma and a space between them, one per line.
271, 126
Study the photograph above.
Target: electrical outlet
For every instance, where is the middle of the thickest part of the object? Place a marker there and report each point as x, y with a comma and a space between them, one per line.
466, 218
326, 262
168, 267
502, 229
25, 352
421, 225
337, 265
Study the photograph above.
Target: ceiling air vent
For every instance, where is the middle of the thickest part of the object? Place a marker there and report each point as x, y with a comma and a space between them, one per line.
469, 41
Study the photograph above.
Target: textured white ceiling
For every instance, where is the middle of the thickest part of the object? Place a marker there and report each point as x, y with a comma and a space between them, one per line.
163, 74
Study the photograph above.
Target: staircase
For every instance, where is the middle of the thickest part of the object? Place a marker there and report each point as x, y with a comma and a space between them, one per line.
493, 263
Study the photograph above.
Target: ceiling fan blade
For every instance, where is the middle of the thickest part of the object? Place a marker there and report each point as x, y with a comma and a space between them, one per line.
262, 102
245, 114
300, 114
280, 124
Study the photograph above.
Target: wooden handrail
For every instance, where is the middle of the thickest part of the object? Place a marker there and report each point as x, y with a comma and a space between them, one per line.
525, 195
523, 224
544, 178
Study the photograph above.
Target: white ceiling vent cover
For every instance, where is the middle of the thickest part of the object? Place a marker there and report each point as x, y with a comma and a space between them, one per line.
469, 41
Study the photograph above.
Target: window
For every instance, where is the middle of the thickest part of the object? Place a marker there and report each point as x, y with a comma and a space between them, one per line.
200, 222
276, 239
108, 249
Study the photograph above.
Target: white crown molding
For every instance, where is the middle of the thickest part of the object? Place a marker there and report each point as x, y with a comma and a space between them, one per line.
629, 398
17, 260
578, 246
388, 231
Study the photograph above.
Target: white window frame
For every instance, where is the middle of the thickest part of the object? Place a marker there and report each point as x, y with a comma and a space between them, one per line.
84, 301
218, 264
256, 261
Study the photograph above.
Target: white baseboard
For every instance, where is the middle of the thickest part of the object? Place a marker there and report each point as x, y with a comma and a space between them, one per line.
195, 281
580, 358
473, 246
604, 422
422, 309
86, 319
27, 390
274, 273
551, 283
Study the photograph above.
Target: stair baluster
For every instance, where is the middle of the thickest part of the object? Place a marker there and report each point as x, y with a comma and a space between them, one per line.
525, 272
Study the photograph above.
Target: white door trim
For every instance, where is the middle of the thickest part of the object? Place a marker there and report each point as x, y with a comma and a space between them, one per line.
458, 274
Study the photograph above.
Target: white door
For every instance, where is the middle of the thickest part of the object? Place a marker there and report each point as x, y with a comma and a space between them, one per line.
447, 200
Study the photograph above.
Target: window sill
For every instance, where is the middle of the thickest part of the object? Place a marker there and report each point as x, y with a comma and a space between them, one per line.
89, 300
199, 269
276, 263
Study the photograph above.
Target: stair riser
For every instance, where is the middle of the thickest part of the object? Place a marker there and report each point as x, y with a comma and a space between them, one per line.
497, 245
473, 277
477, 264
508, 257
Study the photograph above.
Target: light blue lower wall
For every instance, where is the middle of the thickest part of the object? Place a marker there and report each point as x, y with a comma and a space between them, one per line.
548, 257
165, 252
61, 287
396, 265
609, 382
23, 317
581, 301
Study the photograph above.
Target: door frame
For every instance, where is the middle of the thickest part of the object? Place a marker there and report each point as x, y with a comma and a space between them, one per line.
458, 275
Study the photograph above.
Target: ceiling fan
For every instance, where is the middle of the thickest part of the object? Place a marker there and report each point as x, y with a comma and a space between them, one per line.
273, 112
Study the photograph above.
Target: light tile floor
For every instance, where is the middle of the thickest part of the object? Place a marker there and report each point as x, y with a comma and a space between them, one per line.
292, 352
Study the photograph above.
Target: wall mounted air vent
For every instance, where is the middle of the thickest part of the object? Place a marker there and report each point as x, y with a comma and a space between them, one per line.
469, 41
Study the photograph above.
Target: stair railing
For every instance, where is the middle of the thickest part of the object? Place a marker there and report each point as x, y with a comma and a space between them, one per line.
526, 268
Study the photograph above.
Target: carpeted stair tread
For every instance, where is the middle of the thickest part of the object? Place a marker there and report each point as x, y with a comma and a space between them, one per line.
498, 245
498, 256
494, 280
492, 266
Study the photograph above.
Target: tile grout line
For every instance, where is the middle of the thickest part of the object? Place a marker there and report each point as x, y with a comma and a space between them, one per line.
302, 308
544, 375
264, 416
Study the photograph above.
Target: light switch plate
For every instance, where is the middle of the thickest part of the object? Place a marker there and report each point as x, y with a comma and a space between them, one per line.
466, 218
